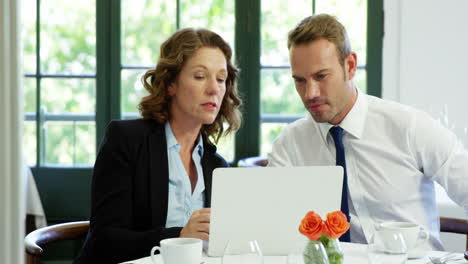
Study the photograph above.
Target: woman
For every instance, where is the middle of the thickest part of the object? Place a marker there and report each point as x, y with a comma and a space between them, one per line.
152, 177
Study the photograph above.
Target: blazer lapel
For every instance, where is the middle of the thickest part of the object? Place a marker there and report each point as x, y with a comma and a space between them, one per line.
207, 166
159, 175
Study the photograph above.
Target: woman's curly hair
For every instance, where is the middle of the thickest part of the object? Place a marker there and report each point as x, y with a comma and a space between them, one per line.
174, 53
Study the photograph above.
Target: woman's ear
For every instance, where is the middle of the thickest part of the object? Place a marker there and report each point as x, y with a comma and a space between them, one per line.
171, 89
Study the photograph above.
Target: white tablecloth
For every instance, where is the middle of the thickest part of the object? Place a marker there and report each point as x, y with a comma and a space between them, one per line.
34, 204
353, 254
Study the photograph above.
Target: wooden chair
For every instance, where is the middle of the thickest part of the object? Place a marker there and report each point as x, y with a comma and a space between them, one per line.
34, 241
455, 225
253, 162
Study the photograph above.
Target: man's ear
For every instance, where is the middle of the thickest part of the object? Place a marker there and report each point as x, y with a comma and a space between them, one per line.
350, 65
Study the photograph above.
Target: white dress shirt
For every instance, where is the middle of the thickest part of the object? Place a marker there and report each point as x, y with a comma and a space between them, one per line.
394, 153
182, 202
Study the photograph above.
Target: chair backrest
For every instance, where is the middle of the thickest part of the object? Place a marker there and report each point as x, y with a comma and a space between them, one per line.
455, 225
253, 162
34, 241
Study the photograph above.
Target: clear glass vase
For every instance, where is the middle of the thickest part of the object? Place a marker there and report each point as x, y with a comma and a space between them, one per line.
315, 253
333, 249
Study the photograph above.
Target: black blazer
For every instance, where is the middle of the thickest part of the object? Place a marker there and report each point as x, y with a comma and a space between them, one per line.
130, 192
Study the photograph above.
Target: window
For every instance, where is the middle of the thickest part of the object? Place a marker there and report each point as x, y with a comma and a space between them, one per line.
146, 24
60, 69
280, 103
83, 62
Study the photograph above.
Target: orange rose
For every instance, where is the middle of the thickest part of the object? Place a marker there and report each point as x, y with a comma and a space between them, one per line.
311, 226
336, 225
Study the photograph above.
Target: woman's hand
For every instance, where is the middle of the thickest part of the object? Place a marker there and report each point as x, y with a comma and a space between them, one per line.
198, 226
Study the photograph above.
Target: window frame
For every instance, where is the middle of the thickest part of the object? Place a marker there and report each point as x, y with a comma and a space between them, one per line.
248, 25
55, 183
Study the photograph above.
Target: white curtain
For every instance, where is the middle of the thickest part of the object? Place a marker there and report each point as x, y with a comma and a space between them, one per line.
12, 173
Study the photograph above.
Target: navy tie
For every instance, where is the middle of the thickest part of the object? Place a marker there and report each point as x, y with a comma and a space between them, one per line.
337, 134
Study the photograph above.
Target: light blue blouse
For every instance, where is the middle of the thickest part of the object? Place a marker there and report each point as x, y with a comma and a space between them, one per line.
182, 202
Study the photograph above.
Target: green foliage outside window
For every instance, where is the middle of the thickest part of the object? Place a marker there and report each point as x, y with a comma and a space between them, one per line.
68, 46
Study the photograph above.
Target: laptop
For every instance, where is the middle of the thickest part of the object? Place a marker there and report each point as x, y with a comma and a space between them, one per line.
268, 203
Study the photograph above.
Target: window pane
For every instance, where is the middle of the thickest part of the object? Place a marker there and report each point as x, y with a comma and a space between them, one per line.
65, 105
276, 23
216, 15
29, 142
69, 143
278, 93
29, 85
353, 15
132, 92
68, 37
145, 25
69, 96
29, 125
85, 150
225, 147
360, 79
28, 35
270, 131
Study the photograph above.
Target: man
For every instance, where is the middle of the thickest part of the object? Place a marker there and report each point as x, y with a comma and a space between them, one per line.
391, 153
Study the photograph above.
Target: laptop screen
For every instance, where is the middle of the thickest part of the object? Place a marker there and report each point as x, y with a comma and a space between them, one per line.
268, 203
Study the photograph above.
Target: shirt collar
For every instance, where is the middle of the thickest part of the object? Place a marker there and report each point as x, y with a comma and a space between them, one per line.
354, 121
173, 144
199, 146
170, 138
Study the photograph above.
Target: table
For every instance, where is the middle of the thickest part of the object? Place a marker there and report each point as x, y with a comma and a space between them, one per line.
34, 204
354, 254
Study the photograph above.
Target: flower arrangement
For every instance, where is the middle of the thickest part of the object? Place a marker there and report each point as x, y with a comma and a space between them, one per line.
327, 232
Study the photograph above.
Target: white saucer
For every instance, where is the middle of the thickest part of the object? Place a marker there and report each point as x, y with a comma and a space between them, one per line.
416, 253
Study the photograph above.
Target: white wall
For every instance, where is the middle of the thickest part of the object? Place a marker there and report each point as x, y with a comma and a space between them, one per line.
425, 64
425, 58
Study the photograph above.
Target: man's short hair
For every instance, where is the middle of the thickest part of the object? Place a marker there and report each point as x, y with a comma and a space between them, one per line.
322, 26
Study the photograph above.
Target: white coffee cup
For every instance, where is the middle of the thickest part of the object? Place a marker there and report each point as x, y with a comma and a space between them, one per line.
413, 234
179, 250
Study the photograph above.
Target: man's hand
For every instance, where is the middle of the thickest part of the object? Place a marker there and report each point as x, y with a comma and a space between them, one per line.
198, 225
